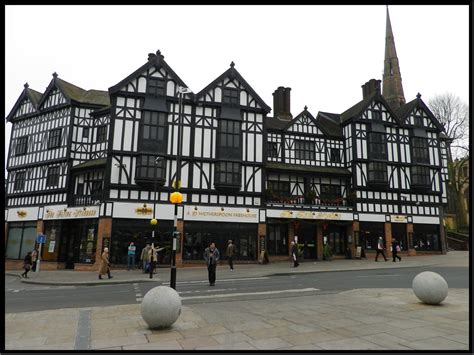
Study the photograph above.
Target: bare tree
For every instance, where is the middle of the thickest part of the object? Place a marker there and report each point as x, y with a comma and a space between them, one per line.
453, 114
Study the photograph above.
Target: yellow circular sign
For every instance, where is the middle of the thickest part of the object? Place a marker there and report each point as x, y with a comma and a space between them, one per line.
176, 197
153, 221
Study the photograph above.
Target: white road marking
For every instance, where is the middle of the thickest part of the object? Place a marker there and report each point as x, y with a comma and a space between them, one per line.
138, 292
219, 280
139, 299
380, 275
16, 290
213, 290
252, 293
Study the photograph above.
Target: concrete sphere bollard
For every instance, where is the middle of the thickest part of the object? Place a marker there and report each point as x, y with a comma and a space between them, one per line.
161, 307
430, 287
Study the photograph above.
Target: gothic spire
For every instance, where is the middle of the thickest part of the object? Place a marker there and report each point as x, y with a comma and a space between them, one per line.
392, 88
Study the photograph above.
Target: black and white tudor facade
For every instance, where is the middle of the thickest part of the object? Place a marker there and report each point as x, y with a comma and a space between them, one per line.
89, 169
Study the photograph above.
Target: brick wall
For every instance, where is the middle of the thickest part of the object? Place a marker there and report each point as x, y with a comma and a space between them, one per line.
104, 231
388, 238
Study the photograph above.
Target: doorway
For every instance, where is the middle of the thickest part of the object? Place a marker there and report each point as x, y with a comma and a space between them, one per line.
307, 245
399, 232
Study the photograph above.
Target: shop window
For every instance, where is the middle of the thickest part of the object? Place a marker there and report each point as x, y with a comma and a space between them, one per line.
21, 240
277, 238
369, 233
21, 145
54, 140
305, 150
426, 237
377, 145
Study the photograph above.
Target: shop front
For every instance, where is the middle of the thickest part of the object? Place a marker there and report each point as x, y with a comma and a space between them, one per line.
426, 237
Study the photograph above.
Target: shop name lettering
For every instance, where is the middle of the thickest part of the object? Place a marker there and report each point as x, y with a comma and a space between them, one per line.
310, 215
224, 214
71, 214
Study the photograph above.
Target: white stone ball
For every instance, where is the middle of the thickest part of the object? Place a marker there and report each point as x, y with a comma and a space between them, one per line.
430, 287
161, 307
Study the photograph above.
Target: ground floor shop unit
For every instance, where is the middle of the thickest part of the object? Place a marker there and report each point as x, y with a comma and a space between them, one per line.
76, 237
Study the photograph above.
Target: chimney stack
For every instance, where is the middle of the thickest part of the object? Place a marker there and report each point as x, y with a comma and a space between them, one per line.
370, 87
281, 103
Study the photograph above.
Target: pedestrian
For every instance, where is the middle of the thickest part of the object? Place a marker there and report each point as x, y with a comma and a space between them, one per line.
144, 257
131, 256
395, 250
27, 265
34, 258
152, 257
105, 264
380, 249
211, 255
294, 254
230, 252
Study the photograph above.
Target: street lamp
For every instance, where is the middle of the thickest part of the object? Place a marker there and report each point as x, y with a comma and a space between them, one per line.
153, 222
176, 198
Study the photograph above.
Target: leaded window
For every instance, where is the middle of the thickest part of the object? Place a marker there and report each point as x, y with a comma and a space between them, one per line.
231, 97
228, 173
272, 150
420, 176
156, 87
377, 115
305, 150
377, 172
419, 150
154, 125
377, 145
335, 155
85, 132
21, 145
54, 138
150, 168
101, 134
20, 178
330, 192
418, 121
279, 188
53, 176
229, 133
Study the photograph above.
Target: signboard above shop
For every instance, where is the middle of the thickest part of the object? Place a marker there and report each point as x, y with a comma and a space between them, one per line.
221, 214
71, 212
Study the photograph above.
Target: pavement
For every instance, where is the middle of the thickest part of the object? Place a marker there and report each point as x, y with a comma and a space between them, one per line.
120, 276
359, 319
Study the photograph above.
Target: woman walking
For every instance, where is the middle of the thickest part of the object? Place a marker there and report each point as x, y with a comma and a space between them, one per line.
27, 265
395, 250
211, 255
104, 264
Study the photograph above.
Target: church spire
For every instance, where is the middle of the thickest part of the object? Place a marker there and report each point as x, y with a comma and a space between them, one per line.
392, 88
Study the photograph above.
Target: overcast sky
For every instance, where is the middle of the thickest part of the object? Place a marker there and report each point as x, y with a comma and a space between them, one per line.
324, 53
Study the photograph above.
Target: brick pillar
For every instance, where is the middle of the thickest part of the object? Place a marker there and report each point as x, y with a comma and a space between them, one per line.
350, 232
411, 251
179, 253
261, 231
104, 231
388, 238
319, 241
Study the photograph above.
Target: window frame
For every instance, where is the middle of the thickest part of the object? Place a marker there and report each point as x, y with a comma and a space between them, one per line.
54, 138
377, 115
276, 187
231, 96
423, 172
333, 157
418, 121
101, 134
19, 184
235, 173
328, 194
377, 147
305, 152
416, 147
52, 179
145, 168
272, 149
21, 147
229, 131
85, 132
374, 169
155, 90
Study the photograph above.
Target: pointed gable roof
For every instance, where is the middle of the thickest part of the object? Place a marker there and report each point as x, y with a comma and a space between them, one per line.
157, 61
361, 106
404, 111
232, 73
76, 94
30, 94
304, 113
330, 122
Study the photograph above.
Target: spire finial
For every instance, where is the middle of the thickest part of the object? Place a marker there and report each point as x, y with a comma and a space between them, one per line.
26, 86
232, 64
305, 108
158, 53
55, 75
418, 95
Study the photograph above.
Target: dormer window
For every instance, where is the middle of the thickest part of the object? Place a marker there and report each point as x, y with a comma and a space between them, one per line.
156, 87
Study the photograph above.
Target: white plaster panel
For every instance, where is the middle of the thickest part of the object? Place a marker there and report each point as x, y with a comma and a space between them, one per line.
134, 210
215, 214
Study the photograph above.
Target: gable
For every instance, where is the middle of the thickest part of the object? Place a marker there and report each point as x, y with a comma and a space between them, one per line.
304, 123
378, 109
418, 113
26, 107
53, 98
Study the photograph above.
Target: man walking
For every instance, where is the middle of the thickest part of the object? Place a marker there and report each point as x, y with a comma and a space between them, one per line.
230, 252
294, 254
144, 257
395, 250
211, 255
380, 249
131, 256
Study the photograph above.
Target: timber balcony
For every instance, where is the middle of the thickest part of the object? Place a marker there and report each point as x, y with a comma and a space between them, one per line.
338, 203
85, 200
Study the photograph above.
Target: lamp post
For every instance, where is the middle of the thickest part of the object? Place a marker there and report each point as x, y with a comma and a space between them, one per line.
153, 221
176, 197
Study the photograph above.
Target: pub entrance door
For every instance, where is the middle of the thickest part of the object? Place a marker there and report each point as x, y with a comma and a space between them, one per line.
307, 241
